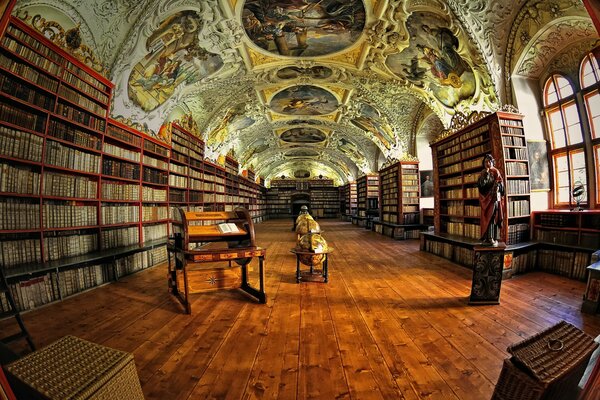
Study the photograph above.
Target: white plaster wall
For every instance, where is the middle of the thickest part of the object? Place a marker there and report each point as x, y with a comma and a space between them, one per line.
527, 94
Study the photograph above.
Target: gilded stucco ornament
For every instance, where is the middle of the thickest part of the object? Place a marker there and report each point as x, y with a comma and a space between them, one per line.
70, 40
528, 25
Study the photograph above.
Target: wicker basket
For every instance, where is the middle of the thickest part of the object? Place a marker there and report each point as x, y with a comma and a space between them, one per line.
72, 368
547, 365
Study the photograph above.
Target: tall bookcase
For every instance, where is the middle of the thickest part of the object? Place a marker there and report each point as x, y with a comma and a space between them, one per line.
399, 193
457, 160
324, 199
69, 182
85, 199
367, 193
349, 198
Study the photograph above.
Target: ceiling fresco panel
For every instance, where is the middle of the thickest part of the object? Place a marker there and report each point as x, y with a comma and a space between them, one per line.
303, 135
432, 60
174, 57
304, 100
303, 28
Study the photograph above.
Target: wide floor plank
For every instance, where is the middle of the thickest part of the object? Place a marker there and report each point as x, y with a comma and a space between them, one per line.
392, 323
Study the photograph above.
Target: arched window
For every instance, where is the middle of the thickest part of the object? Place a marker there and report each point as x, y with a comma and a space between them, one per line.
589, 74
566, 137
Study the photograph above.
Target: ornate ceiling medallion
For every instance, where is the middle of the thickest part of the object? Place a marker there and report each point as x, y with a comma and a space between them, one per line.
303, 28
303, 135
316, 72
304, 100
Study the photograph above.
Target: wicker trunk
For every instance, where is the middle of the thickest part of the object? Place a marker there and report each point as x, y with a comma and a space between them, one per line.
72, 368
546, 366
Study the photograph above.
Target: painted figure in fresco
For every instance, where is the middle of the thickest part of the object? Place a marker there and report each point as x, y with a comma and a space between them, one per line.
491, 190
174, 57
303, 27
446, 64
304, 106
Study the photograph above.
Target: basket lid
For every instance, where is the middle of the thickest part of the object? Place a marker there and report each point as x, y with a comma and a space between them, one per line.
553, 352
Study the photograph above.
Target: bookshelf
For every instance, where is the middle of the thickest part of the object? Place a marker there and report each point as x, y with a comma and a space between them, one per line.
427, 215
571, 228
367, 193
399, 193
87, 199
349, 198
69, 186
324, 199
457, 159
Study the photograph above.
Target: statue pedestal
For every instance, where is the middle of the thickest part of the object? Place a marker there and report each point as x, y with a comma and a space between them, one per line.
487, 274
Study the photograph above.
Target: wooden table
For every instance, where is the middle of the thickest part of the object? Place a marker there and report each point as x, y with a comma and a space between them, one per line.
325, 262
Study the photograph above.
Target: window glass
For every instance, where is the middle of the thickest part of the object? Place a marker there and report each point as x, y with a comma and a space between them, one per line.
597, 162
592, 106
564, 87
557, 129
573, 125
551, 96
561, 171
590, 73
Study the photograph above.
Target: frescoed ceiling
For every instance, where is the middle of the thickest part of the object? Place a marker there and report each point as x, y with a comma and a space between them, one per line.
304, 88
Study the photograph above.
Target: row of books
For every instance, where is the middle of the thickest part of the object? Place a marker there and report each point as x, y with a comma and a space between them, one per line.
120, 169
30, 55
514, 140
79, 137
154, 213
16, 116
517, 208
126, 136
68, 157
121, 191
155, 176
154, 232
62, 185
566, 263
14, 88
81, 117
82, 101
119, 237
85, 76
31, 74
517, 168
22, 180
69, 244
517, 186
120, 152
119, 213
17, 215
517, 233
512, 153
83, 86
64, 216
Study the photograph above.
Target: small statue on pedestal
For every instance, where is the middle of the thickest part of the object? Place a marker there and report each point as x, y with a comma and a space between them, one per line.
491, 190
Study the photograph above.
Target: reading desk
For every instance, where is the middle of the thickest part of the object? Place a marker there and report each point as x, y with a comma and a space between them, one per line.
202, 242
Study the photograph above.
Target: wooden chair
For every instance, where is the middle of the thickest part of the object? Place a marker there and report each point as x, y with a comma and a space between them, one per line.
203, 239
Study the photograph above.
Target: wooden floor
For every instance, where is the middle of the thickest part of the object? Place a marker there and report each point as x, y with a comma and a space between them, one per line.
392, 323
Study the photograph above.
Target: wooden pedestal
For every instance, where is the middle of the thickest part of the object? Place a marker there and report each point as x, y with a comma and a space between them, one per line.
487, 274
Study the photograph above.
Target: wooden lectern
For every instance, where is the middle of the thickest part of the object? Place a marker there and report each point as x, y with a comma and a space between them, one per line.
205, 240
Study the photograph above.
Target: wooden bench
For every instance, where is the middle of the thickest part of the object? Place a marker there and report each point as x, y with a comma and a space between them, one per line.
201, 242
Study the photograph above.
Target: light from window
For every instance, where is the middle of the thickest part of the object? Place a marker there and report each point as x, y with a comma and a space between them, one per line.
551, 96
592, 105
564, 87
574, 134
557, 129
565, 177
590, 72
561, 174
